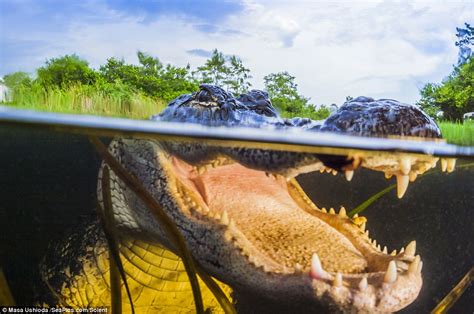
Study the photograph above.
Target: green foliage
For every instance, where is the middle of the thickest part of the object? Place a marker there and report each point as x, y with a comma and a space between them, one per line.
454, 96
214, 71
106, 99
283, 92
67, 84
237, 76
227, 72
458, 133
65, 71
150, 77
17, 79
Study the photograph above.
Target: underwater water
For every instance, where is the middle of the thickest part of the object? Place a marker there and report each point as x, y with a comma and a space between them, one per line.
48, 185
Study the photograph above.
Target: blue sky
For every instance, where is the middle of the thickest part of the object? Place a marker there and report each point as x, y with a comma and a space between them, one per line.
383, 49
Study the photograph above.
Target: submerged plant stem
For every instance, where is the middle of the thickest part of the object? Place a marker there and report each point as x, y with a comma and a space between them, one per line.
6, 297
455, 293
116, 267
381, 193
370, 200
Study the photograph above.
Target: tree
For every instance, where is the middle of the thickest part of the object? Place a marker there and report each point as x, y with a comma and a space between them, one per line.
17, 79
454, 96
227, 72
150, 76
66, 70
237, 76
214, 71
283, 92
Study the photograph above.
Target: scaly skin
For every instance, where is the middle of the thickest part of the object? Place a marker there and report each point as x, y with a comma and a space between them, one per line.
258, 233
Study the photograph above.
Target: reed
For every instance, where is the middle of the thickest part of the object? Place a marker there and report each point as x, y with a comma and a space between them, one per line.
458, 133
83, 99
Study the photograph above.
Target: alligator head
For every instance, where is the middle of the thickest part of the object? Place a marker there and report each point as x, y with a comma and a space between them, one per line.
248, 222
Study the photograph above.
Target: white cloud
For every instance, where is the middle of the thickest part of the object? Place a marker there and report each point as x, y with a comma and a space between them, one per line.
335, 49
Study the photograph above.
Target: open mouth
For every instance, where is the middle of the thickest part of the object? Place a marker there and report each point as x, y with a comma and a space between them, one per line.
281, 231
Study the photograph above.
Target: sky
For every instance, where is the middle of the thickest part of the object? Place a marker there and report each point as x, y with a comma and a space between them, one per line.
339, 48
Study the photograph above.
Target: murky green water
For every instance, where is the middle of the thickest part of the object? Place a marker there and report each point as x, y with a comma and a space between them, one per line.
48, 185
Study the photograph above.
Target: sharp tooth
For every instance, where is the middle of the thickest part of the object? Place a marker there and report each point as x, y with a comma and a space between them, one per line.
363, 284
225, 218
367, 234
405, 165
402, 250
324, 210
394, 252
411, 249
331, 211
201, 169
342, 212
444, 164
391, 273
356, 162
359, 220
402, 185
349, 174
334, 172
317, 271
433, 165
388, 175
385, 251
378, 247
362, 227
420, 266
412, 176
451, 164
337, 280
374, 244
298, 268
413, 268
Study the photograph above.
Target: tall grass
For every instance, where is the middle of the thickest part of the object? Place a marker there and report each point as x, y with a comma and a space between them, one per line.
85, 99
458, 133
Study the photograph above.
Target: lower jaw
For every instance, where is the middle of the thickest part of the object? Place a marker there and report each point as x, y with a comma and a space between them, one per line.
304, 280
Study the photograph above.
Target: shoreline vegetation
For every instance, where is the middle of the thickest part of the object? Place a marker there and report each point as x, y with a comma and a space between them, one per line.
80, 99
68, 85
86, 100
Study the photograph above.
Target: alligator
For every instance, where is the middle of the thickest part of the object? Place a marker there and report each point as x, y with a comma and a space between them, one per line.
245, 218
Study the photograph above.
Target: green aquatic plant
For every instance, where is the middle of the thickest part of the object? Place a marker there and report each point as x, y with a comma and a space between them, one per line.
116, 268
453, 296
6, 297
362, 206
